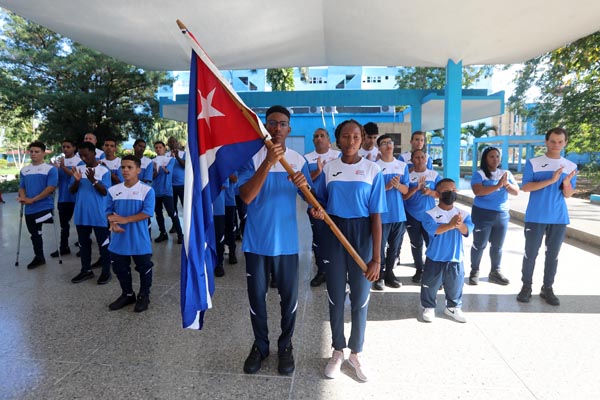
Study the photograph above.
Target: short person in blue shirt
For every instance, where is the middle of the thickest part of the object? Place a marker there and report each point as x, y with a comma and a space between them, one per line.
90, 183
36, 186
163, 188
130, 204
395, 174
368, 149
446, 226
550, 179
419, 198
271, 238
316, 160
354, 196
66, 199
490, 213
178, 172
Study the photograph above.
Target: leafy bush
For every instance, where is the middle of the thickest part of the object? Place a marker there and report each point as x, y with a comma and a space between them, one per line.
9, 186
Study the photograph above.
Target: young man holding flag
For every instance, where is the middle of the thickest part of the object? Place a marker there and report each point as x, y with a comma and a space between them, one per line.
271, 238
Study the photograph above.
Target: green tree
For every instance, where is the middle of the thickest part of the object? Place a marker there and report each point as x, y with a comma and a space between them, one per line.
163, 129
480, 130
435, 78
72, 89
281, 79
569, 82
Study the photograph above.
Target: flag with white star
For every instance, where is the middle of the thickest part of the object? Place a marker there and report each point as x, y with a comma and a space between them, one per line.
223, 134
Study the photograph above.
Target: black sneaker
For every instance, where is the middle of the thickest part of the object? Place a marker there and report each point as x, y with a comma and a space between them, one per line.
254, 360
497, 277
36, 262
474, 278
141, 303
392, 281
83, 276
96, 264
232, 259
417, 276
286, 361
78, 254
63, 252
548, 295
122, 301
525, 294
179, 239
318, 280
104, 278
219, 271
378, 284
161, 238
172, 230
273, 281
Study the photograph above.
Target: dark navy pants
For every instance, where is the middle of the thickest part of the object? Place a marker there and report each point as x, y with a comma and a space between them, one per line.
451, 274
167, 201
417, 235
391, 235
143, 265
178, 191
34, 226
219, 222
231, 227
318, 227
341, 269
490, 226
84, 232
534, 232
257, 277
242, 210
65, 213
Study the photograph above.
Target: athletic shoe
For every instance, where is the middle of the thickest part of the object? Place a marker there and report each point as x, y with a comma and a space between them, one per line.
83, 276
122, 301
286, 361
356, 361
232, 259
392, 282
219, 271
417, 276
161, 238
254, 360
525, 294
172, 230
548, 295
497, 277
318, 280
456, 314
428, 314
378, 285
141, 303
334, 365
36, 262
179, 239
104, 278
474, 278
63, 252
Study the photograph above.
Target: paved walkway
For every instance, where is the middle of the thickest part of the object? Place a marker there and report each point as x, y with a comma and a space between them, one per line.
59, 341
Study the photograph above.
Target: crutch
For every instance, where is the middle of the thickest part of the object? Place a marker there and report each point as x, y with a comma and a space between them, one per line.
19, 239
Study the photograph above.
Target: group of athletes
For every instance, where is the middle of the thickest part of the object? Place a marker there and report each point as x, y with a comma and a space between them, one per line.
372, 196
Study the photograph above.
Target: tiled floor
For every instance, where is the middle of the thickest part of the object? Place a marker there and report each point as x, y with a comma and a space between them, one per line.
59, 341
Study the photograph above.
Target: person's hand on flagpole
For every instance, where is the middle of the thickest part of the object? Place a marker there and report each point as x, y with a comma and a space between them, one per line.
274, 154
298, 179
372, 273
317, 213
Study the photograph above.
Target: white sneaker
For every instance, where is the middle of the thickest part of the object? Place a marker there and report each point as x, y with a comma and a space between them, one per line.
357, 363
428, 314
456, 314
332, 369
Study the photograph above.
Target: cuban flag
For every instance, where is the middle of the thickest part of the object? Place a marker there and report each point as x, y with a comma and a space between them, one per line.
223, 135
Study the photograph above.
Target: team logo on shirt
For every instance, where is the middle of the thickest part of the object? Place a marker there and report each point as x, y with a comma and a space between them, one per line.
359, 172
383, 169
438, 216
544, 165
413, 179
337, 173
118, 194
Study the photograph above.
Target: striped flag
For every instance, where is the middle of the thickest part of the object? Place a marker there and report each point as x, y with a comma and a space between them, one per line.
223, 134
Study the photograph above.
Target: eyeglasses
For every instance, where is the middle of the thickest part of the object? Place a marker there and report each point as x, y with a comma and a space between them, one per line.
273, 124
386, 143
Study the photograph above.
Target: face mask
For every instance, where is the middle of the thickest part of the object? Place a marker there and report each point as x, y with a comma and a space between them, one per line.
448, 197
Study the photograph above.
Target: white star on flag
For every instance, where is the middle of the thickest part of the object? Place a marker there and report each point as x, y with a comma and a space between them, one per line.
208, 110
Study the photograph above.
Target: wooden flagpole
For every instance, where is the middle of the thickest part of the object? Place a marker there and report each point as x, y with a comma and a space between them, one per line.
264, 135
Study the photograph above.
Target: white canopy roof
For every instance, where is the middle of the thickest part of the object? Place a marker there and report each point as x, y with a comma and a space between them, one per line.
243, 34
